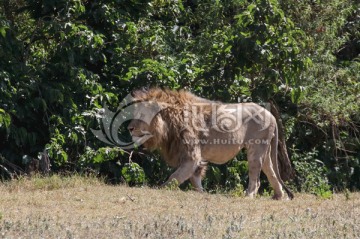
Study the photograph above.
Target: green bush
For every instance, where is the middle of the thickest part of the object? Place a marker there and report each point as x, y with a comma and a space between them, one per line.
61, 61
133, 174
311, 174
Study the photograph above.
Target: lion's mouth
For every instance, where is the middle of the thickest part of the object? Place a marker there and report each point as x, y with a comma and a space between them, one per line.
142, 133
141, 138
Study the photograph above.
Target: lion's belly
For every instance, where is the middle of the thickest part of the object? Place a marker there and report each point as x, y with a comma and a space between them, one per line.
220, 153
218, 147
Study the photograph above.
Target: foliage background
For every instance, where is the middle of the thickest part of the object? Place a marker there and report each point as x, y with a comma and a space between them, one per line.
60, 61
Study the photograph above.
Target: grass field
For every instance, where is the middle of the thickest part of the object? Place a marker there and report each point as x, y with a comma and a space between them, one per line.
79, 207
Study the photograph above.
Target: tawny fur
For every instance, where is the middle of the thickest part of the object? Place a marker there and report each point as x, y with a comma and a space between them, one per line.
170, 131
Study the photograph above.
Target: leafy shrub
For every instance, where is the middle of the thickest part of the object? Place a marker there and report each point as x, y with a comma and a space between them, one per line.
62, 60
311, 174
231, 176
133, 174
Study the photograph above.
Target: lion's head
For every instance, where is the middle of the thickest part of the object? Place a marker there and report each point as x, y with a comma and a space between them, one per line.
147, 132
166, 128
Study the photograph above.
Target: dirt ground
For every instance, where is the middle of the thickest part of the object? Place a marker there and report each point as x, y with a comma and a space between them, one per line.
44, 209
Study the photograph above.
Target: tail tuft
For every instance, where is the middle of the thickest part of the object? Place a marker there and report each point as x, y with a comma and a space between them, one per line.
289, 193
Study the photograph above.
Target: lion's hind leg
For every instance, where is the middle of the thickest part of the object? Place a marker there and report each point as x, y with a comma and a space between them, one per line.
270, 174
255, 163
256, 154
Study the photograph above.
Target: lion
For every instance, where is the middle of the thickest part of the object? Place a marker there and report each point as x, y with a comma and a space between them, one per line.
190, 131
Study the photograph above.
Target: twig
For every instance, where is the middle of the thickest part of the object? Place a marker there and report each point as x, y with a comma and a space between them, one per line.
130, 156
7, 171
130, 198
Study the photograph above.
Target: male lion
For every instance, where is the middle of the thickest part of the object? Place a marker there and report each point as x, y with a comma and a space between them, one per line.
190, 131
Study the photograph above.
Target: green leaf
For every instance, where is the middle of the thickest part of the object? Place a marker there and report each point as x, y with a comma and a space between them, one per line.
296, 94
3, 31
133, 174
5, 119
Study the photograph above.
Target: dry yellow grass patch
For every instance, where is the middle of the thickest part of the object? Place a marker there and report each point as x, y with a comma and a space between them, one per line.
79, 208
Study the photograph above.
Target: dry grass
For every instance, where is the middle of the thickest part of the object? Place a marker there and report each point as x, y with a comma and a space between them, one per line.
78, 208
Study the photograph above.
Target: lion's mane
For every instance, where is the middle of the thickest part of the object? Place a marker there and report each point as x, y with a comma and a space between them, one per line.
170, 137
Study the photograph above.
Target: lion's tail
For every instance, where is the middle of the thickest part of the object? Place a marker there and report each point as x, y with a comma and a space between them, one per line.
274, 159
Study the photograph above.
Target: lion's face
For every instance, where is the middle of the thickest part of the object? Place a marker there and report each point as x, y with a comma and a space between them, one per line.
143, 126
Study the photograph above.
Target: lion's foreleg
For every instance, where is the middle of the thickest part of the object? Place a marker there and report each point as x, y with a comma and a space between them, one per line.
196, 182
184, 172
199, 173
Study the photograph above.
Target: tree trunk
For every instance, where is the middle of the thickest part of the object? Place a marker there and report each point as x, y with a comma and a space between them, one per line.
285, 168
